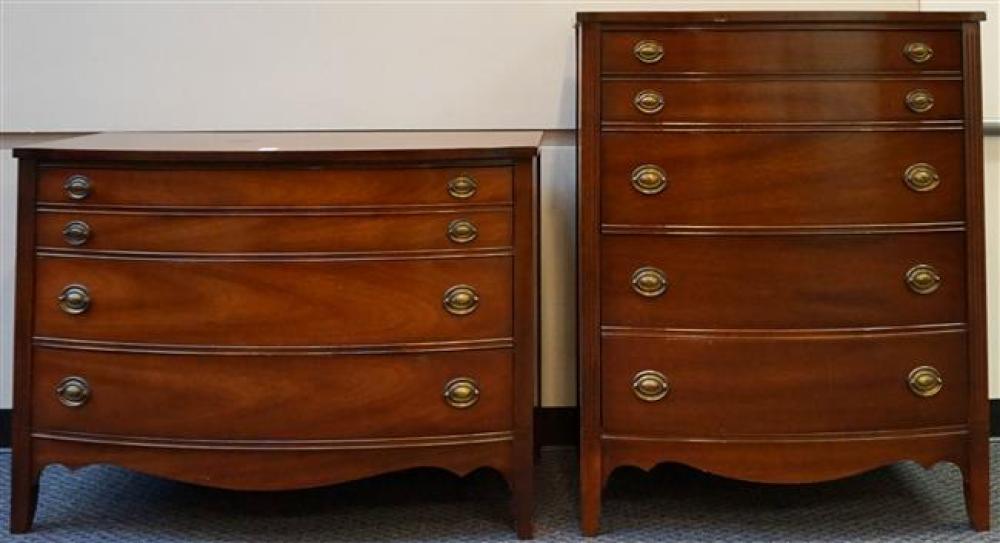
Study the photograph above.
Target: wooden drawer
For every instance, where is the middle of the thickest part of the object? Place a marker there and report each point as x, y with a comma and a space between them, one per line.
775, 51
274, 233
253, 397
776, 101
796, 281
721, 386
819, 178
261, 302
274, 187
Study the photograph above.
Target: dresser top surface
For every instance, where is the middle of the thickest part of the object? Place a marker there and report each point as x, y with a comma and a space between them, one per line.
278, 146
717, 17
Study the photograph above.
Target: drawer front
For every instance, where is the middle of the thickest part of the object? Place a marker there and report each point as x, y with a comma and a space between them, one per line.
274, 188
776, 51
722, 386
353, 302
253, 397
264, 233
797, 281
817, 178
772, 101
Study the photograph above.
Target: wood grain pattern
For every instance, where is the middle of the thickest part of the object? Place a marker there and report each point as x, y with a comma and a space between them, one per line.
236, 303
334, 397
289, 232
783, 384
308, 186
780, 101
783, 282
782, 51
733, 179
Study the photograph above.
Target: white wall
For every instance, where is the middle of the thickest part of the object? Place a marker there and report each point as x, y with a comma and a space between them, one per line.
91, 66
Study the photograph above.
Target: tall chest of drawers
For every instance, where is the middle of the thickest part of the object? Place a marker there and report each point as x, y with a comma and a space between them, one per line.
781, 246
275, 311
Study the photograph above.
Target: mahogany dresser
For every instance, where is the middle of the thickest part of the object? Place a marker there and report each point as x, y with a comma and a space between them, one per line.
277, 310
781, 260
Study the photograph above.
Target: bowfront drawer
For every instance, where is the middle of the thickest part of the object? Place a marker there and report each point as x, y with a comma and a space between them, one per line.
822, 383
261, 302
795, 281
273, 233
819, 178
252, 397
777, 51
274, 188
775, 101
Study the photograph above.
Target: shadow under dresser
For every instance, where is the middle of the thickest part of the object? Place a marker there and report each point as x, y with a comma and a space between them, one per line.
269, 311
781, 258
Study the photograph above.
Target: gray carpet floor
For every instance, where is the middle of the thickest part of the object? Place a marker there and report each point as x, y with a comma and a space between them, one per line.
901, 503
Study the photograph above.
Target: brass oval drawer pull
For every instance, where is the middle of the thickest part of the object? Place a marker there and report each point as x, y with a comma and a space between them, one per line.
923, 279
918, 52
921, 177
919, 100
650, 385
74, 299
463, 186
648, 101
462, 231
461, 300
649, 281
461, 392
76, 233
77, 187
649, 179
73, 391
925, 381
648, 51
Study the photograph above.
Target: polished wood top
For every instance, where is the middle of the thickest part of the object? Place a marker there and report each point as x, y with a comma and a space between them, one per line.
284, 146
778, 16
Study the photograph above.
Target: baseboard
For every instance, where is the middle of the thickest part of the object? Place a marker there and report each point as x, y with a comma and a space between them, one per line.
554, 426
5, 427
557, 426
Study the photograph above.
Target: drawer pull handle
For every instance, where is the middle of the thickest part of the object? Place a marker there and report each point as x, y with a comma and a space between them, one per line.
648, 101
648, 51
921, 177
918, 52
74, 299
649, 281
76, 233
77, 187
462, 231
650, 386
461, 392
461, 300
649, 179
923, 279
919, 100
73, 391
463, 187
925, 381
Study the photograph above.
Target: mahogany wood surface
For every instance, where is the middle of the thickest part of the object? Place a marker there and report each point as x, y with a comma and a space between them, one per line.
355, 302
266, 311
804, 281
333, 397
795, 51
823, 178
856, 382
787, 332
309, 186
255, 232
707, 100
